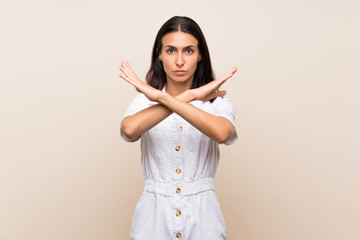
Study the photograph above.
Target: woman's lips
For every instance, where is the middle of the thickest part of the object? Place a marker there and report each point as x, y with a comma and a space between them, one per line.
180, 72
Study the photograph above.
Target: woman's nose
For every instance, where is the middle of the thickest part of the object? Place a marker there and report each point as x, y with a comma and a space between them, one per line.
179, 60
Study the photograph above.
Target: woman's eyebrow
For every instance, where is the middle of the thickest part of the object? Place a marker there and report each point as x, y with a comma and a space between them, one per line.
190, 46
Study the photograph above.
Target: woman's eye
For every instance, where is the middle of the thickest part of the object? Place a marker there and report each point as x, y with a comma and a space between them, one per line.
170, 51
189, 51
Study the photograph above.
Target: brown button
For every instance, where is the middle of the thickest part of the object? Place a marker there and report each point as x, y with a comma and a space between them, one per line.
178, 213
178, 235
181, 128
178, 190
177, 148
178, 170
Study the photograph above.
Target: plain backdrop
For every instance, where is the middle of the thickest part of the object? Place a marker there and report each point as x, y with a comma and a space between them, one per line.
65, 173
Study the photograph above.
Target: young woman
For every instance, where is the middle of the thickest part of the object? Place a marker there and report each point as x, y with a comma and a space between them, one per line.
181, 118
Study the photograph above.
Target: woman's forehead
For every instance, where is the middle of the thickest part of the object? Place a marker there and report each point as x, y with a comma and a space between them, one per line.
179, 40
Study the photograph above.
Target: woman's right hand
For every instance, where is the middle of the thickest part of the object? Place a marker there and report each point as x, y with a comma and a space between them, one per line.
128, 74
211, 90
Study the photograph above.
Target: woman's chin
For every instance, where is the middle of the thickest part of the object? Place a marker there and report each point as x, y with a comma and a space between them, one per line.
180, 79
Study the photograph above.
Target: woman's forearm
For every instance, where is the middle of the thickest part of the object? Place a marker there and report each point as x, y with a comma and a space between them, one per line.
133, 126
219, 129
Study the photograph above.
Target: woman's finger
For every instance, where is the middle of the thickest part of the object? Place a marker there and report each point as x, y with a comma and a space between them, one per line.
229, 74
122, 69
125, 70
123, 76
129, 69
219, 94
127, 64
215, 95
137, 85
234, 70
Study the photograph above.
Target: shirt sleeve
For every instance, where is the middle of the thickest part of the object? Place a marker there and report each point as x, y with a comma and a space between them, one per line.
225, 109
139, 103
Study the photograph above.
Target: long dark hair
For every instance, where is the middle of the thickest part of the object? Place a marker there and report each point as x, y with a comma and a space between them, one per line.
156, 76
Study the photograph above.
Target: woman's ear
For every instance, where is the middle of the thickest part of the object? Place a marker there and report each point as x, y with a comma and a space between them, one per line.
160, 59
199, 58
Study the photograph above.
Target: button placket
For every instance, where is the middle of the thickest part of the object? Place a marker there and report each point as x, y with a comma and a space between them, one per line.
177, 176
177, 155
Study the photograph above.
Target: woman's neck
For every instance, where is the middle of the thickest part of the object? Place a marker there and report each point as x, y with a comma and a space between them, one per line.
176, 88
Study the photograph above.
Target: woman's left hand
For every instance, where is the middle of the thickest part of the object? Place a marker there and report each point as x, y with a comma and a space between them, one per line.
130, 76
210, 90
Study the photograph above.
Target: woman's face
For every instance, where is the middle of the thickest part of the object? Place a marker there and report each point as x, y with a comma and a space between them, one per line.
180, 55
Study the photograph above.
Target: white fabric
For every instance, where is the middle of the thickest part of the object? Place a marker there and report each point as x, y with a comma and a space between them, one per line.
197, 158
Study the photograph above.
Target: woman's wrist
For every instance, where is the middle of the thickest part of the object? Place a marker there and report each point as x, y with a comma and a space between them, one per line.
187, 96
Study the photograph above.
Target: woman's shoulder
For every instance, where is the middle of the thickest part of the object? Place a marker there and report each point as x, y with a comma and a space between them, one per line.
217, 101
140, 97
221, 101
138, 103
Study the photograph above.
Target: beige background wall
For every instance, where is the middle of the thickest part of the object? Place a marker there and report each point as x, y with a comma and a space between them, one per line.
66, 174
